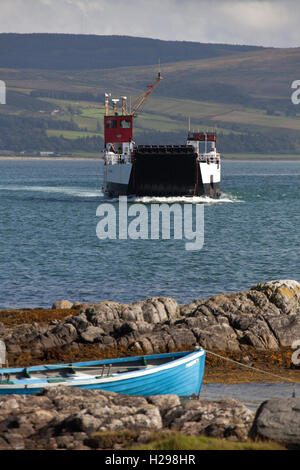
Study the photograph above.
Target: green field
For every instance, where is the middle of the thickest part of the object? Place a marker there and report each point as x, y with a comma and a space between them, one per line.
245, 97
71, 134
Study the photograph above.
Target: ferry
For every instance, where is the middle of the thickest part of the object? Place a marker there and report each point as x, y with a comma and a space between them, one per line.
192, 169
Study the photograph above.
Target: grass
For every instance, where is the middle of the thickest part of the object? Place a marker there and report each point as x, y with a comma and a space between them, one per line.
71, 134
163, 115
171, 440
258, 118
158, 122
178, 441
94, 112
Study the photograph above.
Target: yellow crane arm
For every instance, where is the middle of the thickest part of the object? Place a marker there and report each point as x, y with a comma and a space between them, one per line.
145, 95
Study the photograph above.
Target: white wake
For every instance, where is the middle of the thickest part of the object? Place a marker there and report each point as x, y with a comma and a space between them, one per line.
69, 191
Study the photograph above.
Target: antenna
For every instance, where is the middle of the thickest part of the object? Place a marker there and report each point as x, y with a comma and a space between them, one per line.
124, 102
115, 101
107, 95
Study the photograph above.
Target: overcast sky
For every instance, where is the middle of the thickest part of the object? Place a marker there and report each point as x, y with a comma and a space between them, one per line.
268, 23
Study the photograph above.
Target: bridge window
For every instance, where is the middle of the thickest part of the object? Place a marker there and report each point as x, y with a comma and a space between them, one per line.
125, 123
111, 124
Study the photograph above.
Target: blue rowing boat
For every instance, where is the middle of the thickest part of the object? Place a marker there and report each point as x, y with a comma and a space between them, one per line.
179, 373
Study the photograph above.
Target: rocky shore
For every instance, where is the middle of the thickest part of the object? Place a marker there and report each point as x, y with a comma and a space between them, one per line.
74, 419
256, 327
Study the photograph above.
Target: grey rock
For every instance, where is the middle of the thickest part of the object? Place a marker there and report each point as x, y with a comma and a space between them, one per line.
266, 317
226, 418
164, 402
62, 304
76, 305
14, 440
80, 322
67, 418
92, 334
279, 420
285, 294
13, 349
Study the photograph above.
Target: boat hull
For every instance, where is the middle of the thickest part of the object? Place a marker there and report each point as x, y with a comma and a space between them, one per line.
181, 374
164, 171
207, 185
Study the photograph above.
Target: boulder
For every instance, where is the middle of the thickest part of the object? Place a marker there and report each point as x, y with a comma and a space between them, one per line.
164, 402
278, 420
285, 294
72, 418
62, 304
265, 317
92, 334
227, 418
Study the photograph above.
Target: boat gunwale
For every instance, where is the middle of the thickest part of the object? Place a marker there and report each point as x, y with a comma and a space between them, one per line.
67, 365
40, 383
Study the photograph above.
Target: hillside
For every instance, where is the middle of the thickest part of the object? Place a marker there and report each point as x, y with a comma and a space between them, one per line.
81, 52
245, 94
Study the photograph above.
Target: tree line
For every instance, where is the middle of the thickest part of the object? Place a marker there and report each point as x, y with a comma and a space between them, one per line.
29, 134
19, 133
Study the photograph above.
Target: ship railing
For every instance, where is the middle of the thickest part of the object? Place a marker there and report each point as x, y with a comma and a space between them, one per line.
208, 158
115, 158
164, 149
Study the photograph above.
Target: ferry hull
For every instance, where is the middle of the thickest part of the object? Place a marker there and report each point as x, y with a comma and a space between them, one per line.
154, 173
113, 189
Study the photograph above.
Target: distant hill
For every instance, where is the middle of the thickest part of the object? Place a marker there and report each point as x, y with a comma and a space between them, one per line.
78, 52
56, 84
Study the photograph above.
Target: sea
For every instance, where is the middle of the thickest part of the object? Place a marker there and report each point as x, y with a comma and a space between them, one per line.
49, 248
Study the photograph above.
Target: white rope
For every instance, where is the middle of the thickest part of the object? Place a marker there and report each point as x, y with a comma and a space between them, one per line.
251, 367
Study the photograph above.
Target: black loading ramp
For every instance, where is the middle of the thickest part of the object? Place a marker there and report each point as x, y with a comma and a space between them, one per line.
165, 171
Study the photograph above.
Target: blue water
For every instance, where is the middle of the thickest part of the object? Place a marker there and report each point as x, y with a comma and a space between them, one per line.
251, 394
49, 249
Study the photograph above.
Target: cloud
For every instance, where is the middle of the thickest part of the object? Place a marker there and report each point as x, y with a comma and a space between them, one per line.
264, 22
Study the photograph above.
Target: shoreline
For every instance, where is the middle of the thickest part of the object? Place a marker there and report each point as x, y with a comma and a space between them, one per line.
225, 158
240, 344
217, 369
53, 158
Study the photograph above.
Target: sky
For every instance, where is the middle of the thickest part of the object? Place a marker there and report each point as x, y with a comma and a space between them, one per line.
254, 22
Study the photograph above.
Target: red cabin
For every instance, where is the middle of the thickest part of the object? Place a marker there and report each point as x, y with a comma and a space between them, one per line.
118, 129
